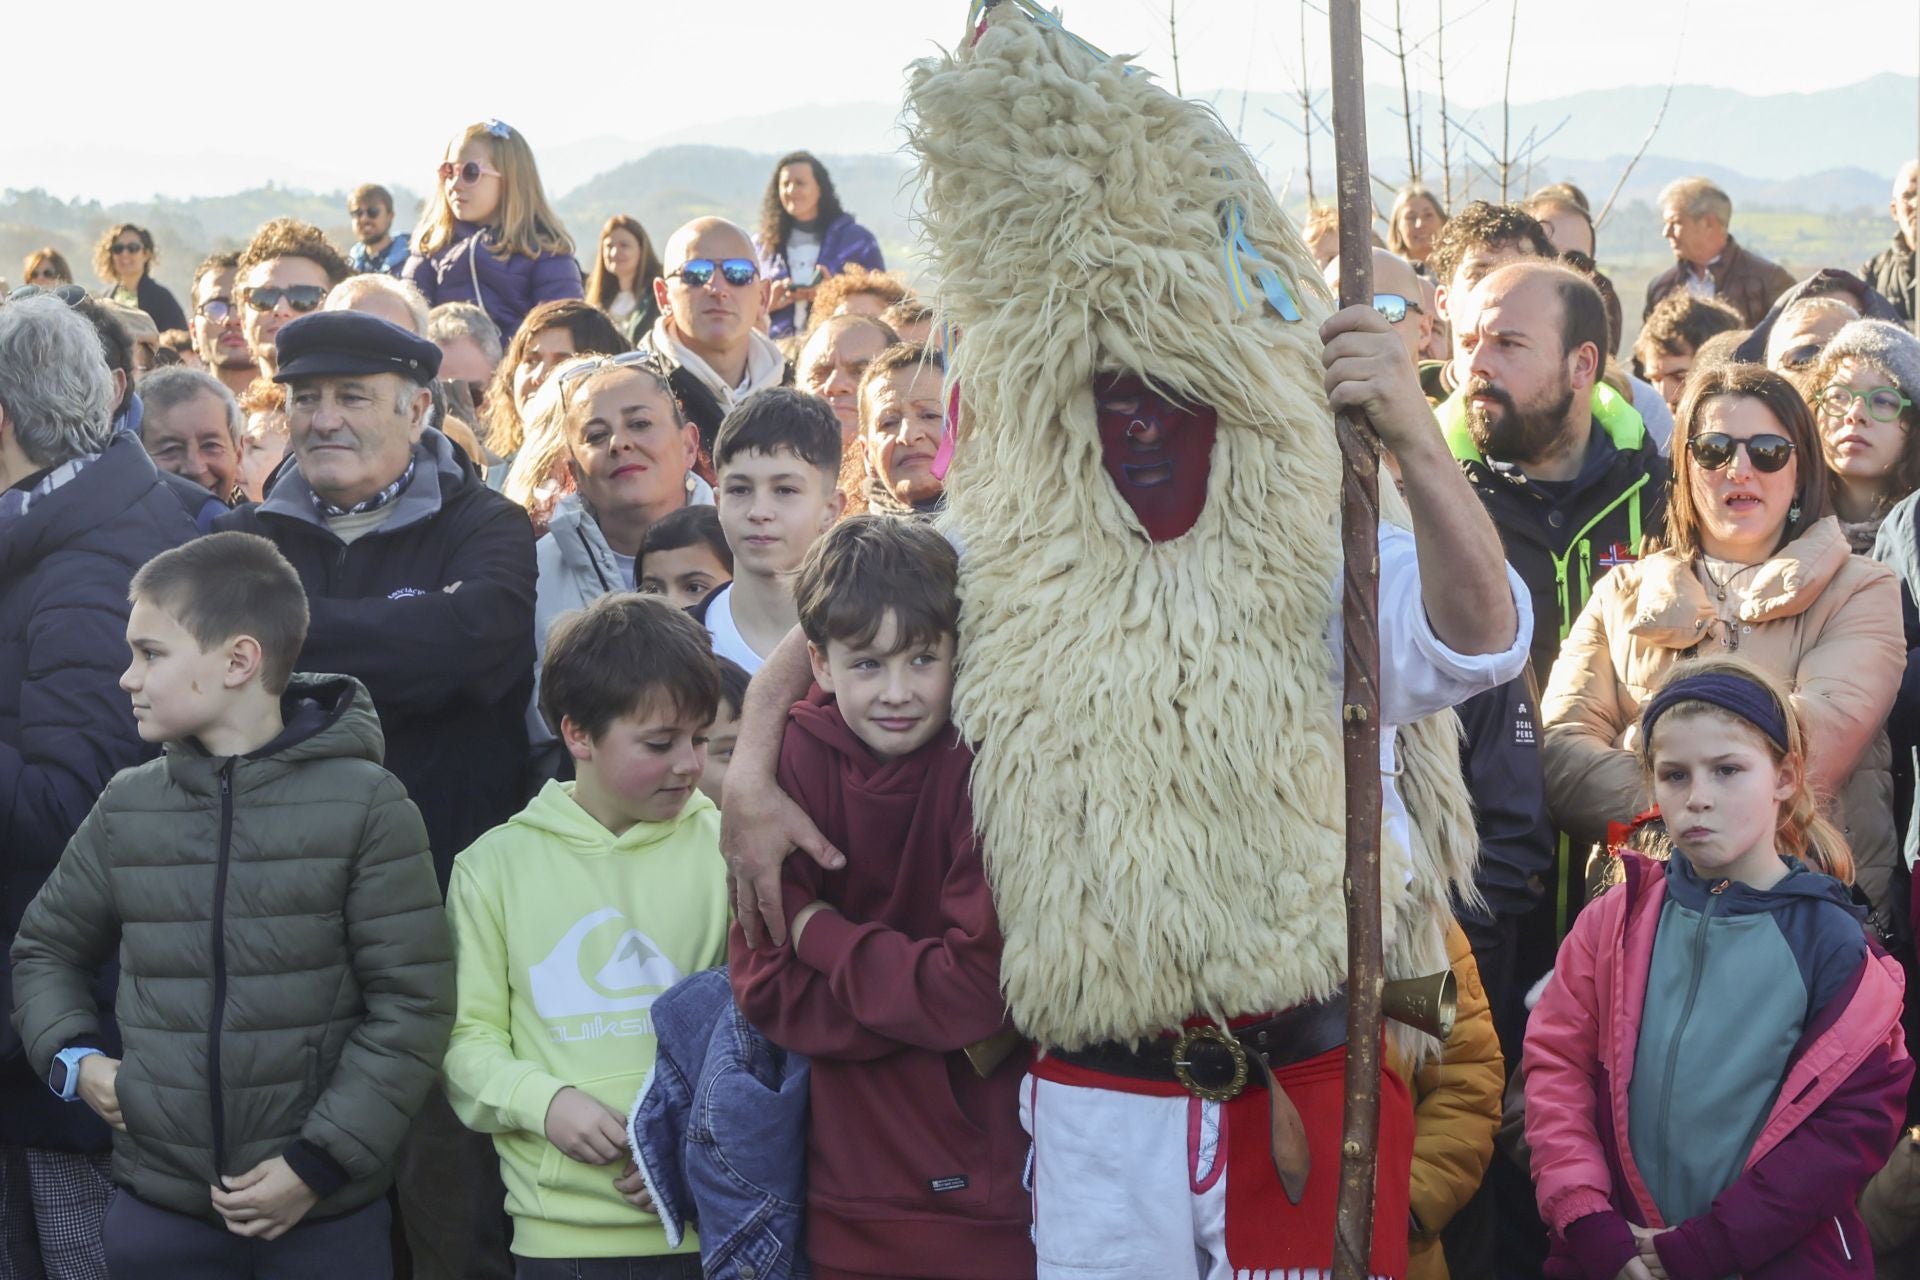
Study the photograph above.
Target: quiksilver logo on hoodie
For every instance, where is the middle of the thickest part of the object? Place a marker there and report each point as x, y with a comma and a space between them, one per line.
600, 969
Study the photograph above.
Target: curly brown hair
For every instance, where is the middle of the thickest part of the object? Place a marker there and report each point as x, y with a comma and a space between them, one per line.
854, 280
292, 238
1483, 224
103, 251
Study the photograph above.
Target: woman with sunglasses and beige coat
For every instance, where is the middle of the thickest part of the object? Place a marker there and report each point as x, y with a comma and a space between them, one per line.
1752, 563
489, 235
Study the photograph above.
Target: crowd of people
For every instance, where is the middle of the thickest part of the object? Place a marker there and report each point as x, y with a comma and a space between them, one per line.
378, 632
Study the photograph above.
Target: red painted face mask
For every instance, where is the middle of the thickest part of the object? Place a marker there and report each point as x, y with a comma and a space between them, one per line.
1158, 454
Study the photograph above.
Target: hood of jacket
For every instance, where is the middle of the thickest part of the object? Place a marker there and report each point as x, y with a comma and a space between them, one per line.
1687, 887
439, 469
766, 363
861, 772
583, 548
557, 817
1674, 610
323, 716
116, 482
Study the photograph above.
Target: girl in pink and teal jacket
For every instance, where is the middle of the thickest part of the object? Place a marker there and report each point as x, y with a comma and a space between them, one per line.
1716, 1067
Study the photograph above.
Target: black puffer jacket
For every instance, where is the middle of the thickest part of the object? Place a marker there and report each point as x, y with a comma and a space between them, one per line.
433, 612
65, 725
287, 975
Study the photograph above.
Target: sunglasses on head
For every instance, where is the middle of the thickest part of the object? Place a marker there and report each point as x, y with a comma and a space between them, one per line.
1715, 449
1393, 308
735, 271
469, 173
129, 246
299, 297
1800, 357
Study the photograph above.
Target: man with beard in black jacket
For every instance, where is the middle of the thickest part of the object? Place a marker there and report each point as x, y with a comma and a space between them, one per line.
420, 583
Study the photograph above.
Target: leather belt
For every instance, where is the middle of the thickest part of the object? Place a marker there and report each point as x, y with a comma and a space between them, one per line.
1215, 1064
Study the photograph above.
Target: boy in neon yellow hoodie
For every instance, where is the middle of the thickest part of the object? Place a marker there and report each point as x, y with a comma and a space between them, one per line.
571, 918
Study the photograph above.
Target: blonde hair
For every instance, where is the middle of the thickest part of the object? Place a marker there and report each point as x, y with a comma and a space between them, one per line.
543, 444
524, 222
1801, 829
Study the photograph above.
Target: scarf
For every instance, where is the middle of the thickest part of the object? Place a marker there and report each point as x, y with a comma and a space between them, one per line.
331, 512
17, 501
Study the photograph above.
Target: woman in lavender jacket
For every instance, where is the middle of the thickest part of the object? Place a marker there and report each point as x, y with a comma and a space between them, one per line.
806, 236
490, 237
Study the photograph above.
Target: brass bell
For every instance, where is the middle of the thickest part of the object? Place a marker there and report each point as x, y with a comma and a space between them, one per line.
1428, 1004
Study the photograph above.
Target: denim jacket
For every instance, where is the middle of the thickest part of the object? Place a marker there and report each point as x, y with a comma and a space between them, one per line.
720, 1134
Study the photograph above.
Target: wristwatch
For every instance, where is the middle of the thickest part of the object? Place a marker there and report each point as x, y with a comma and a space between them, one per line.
64, 1077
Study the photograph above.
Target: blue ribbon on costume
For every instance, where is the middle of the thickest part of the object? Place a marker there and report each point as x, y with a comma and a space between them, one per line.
1239, 253
977, 10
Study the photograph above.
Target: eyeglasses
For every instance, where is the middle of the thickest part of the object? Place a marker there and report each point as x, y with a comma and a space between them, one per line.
1883, 403
71, 294
299, 297
468, 174
215, 309
1715, 449
735, 271
129, 246
47, 273
374, 211
1393, 307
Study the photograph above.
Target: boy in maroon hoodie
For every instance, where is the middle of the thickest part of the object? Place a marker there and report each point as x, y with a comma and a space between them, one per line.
892, 981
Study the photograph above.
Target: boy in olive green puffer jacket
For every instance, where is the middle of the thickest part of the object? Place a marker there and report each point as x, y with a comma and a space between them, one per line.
286, 981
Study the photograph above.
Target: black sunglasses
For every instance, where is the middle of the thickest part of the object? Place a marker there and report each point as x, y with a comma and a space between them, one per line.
129, 246
300, 297
1715, 449
1393, 308
735, 271
373, 211
1801, 356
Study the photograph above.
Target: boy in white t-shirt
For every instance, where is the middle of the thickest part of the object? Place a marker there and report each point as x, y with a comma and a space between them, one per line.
778, 459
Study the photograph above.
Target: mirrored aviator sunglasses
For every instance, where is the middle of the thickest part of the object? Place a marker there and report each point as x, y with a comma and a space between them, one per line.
299, 297
1393, 308
735, 271
1715, 449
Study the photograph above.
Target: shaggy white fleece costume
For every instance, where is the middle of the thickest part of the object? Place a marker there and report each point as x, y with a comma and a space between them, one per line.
1158, 780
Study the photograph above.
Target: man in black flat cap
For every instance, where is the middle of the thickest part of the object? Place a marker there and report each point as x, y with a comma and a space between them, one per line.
419, 583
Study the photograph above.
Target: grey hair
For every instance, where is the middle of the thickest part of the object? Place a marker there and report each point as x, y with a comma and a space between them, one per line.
165, 390
1696, 198
54, 382
354, 288
451, 320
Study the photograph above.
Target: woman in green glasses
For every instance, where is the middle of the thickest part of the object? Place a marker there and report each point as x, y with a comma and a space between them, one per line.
1862, 391
1752, 561
124, 261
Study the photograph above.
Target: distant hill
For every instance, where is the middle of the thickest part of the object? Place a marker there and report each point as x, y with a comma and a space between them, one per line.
667, 187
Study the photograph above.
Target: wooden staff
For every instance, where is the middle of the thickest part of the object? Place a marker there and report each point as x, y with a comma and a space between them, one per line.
1359, 529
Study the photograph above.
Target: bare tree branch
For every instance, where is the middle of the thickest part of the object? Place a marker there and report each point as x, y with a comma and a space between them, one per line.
1678, 45
1506, 102
1173, 38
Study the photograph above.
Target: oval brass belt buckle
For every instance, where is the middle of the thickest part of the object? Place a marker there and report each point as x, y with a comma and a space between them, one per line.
1183, 1065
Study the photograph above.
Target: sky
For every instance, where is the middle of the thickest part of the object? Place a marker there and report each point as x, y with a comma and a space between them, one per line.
138, 103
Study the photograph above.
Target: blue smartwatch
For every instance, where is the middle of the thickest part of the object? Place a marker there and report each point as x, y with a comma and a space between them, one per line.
64, 1077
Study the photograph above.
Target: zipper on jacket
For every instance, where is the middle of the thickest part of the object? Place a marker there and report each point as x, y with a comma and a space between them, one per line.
1686, 1016
1575, 545
220, 969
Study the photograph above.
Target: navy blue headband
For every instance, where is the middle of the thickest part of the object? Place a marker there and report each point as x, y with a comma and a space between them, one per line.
1737, 694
